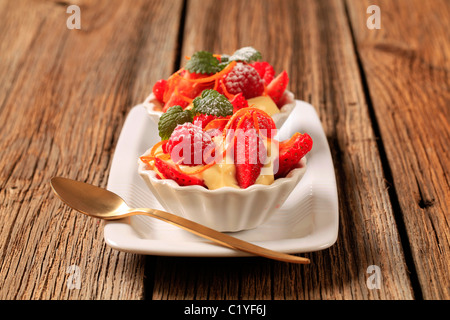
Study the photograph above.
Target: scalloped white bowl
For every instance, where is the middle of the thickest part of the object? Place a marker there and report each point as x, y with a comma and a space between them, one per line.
226, 209
153, 107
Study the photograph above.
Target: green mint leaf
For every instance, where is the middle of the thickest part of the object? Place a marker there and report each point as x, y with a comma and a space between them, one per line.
246, 54
168, 121
203, 62
223, 65
224, 61
214, 103
224, 58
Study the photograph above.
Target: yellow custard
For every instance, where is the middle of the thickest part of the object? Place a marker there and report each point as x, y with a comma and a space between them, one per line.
220, 175
266, 176
264, 103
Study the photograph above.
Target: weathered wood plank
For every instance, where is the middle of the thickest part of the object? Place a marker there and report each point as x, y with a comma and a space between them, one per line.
63, 99
407, 65
313, 42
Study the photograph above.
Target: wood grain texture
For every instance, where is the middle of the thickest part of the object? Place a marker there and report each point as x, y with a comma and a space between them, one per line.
312, 40
382, 96
63, 99
407, 66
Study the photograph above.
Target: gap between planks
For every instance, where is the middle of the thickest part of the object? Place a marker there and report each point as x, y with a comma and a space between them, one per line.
393, 196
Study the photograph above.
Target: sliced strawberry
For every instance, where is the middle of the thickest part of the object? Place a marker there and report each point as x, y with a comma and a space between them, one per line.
172, 83
254, 119
247, 127
159, 88
191, 89
291, 151
265, 70
277, 87
249, 158
246, 174
171, 172
181, 90
193, 75
175, 100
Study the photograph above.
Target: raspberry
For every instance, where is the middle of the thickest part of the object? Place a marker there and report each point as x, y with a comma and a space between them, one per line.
244, 78
189, 145
239, 102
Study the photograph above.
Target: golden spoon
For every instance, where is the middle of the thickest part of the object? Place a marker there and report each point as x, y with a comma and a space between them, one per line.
101, 203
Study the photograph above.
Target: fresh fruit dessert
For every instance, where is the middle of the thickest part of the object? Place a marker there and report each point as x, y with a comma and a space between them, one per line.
214, 144
241, 77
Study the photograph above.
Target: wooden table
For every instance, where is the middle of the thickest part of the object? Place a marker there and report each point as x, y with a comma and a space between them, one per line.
383, 97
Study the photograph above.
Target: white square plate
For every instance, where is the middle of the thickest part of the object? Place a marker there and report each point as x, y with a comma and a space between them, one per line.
308, 220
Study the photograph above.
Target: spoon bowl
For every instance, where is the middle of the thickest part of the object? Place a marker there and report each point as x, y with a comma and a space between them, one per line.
103, 204
90, 200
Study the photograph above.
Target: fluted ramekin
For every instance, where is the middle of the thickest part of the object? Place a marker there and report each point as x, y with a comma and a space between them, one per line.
225, 209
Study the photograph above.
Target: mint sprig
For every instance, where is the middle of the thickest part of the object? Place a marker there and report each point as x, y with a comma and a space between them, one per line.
213, 103
203, 62
171, 118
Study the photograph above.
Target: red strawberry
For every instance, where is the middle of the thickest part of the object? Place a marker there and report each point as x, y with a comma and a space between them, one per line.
244, 78
171, 172
247, 128
189, 88
277, 87
193, 75
159, 88
265, 70
180, 90
265, 123
239, 102
249, 158
187, 144
291, 151
175, 100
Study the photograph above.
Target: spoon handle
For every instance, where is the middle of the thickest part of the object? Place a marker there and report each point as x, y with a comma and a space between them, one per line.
219, 237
